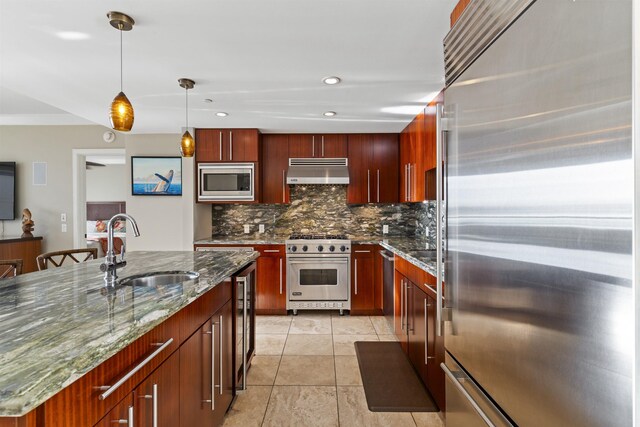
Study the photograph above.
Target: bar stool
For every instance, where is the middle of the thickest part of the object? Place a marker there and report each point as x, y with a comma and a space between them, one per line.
57, 258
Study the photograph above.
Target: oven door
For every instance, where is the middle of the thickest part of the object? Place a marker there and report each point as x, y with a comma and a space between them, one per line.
318, 278
226, 182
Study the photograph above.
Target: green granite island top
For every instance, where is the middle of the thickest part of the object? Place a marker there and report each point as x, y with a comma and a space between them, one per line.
56, 325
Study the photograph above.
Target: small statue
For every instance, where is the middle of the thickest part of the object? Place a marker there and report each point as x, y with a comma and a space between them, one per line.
27, 223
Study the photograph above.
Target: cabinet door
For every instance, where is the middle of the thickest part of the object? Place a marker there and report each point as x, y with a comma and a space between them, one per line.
196, 380
224, 384
241, 145
362, 279
405, 152
271, 293
122, 414
275, 155
435, 355
302, 145
360, 160
158, 397
332, 146
417, 327
400, 312
385, 153
209, 145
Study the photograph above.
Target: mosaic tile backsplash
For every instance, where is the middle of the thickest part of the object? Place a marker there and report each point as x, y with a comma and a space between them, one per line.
324, 209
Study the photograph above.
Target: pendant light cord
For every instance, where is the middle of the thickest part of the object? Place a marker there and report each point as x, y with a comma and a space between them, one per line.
120, 27
186, 96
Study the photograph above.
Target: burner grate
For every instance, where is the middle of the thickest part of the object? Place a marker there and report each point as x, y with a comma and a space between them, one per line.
300, 236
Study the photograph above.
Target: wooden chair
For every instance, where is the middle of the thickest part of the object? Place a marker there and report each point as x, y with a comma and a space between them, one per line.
9, 267
57, 258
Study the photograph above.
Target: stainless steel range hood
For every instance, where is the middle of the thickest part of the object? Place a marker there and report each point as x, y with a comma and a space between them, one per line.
318, 171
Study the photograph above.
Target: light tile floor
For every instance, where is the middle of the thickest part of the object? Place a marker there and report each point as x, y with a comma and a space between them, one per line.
305, 373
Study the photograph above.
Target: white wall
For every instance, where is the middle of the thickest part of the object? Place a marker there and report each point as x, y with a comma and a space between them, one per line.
107, 183
53, 145
165, 222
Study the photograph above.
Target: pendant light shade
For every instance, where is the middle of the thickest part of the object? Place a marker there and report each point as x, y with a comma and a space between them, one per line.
121, 114
187, 144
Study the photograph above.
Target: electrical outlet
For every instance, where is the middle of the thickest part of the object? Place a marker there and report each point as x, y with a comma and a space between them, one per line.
385, 229
64, 228
247, 229
261, 228
63, 217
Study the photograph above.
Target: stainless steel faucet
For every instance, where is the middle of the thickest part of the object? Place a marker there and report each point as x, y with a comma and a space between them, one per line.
111, 263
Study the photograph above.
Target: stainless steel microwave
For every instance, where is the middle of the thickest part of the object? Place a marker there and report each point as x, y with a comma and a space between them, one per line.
226, 182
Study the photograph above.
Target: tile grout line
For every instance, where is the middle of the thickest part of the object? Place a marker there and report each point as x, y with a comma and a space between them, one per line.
335, 371
273, 385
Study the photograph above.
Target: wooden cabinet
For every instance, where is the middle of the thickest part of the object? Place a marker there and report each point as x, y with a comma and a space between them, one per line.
206, 371
415, 325
311, 145
275, 163
25, 249
418, 155
227, 145
271, 284
373, 168
122, 414
157, 399
363, 280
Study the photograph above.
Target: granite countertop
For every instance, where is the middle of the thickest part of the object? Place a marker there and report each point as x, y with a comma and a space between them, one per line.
59, 324
408, 247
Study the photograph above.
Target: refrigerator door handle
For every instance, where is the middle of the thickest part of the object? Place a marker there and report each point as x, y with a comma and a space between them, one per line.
439, 212
466, 394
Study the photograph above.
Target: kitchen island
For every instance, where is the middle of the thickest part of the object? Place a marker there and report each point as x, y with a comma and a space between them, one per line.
61, 328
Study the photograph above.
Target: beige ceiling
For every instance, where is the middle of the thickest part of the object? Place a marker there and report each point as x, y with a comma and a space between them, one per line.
262, 61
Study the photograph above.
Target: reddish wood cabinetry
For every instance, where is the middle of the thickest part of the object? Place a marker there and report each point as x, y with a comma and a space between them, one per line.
415, 325
311, 145
158, 397
271, 282
363, 280
373, 168
275, 162
227, 145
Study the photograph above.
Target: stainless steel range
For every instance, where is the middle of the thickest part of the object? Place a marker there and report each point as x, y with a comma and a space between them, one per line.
318, 272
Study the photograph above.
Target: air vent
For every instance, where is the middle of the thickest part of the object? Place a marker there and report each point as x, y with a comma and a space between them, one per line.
481, 23
318, 162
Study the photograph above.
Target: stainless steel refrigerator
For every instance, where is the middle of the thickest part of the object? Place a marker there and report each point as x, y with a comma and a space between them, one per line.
535, 136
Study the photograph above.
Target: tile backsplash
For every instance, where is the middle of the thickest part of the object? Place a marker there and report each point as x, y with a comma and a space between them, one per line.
324, 209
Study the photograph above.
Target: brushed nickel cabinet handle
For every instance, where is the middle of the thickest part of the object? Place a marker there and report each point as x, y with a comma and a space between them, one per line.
313, 146
220, 145
322, 145
221, 353
378, 185
402, 304
230, 145
281, 276
356, 276
283, 186
368, 186
271, 250
213, 364
110, 389
128, 421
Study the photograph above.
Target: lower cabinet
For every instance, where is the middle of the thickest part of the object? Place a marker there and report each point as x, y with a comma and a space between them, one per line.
363, 281
206, 371
415, 326
122, 414
157, 399
271, 283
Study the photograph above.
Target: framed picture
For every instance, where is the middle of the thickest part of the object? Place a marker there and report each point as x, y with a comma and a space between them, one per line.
156, 176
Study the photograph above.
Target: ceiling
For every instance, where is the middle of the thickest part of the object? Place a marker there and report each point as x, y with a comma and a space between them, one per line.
261, 61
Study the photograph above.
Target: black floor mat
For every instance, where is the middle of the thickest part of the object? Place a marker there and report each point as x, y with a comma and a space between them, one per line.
390, 382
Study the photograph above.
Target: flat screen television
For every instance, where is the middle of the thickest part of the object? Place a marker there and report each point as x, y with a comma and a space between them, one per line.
7, 190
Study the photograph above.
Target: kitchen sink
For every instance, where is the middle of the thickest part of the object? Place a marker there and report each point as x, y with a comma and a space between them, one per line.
159, 278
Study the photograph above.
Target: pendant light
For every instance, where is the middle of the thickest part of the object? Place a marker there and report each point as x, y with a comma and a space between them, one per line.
121, 114
187, 144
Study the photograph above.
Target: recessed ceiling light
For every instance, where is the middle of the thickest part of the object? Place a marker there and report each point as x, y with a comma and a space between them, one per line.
72, 35
332, 80
222, 114
207, 100
329, 113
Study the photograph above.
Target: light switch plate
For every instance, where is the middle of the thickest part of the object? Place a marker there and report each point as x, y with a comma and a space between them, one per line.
385, 229
64, 228
261, 228
247, 229
63, 217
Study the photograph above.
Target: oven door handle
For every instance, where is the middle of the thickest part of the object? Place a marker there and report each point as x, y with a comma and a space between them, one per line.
322, 260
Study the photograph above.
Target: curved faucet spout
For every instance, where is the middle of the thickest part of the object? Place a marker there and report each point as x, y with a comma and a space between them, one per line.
111, 264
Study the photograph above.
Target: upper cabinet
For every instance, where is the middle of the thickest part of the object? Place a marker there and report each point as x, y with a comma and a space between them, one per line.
373, 168
275, 162
311, 145
418, 155
227, 145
